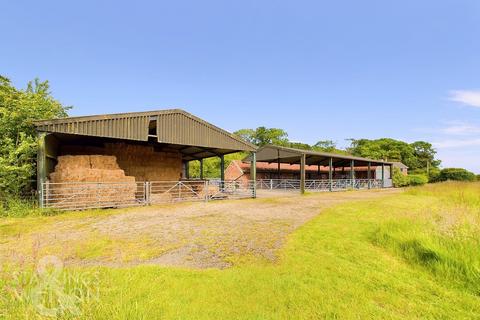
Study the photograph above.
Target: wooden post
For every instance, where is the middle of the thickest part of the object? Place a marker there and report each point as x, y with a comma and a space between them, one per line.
253, 173
330, 174
201, 169
41, 167
369, 176
302, 173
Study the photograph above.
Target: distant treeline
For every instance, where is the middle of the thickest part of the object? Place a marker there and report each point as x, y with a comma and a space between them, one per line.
419, 156
416, 155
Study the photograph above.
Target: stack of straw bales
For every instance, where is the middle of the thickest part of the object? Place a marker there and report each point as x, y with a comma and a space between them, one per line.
146, 164
143, 162
102, 182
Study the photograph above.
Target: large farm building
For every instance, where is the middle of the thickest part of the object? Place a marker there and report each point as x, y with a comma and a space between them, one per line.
142, 158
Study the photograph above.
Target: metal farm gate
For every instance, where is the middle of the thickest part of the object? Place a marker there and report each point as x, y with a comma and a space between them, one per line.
93, 195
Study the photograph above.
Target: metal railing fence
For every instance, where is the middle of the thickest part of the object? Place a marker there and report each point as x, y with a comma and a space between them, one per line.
92, 195
320, 185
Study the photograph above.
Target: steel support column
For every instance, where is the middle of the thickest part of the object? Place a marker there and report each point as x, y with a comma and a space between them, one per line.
201, 169
41, 166
302, 173
222, 171
253, 173
330, 174
383, 175
352, 173
369, 175
278, 164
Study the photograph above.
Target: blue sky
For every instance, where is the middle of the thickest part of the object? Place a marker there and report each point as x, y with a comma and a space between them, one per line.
321, 70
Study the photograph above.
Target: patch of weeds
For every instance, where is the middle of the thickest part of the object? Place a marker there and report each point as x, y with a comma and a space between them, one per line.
104, 248
47, 291
13, 207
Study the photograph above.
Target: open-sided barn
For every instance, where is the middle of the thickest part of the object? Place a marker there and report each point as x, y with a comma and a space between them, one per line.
296, 170
129, 158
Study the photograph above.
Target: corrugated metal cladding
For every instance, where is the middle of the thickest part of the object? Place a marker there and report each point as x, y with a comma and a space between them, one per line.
182, 129
173, 127
131, 128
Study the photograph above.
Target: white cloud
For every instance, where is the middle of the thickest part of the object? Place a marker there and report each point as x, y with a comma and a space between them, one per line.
457, 143
461, 129
468, 97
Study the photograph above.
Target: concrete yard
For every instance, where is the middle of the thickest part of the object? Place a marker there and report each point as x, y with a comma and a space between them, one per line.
195, 235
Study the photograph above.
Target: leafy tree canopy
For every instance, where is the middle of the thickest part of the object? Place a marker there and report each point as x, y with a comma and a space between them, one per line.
457, 174
18, 146
263, 136
416, 155
328, 146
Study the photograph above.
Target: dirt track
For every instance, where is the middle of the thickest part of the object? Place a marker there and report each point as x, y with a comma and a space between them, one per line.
195, 235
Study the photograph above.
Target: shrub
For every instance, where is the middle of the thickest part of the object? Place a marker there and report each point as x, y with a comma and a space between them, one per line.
417, 179
457, 174
399, 179
15, 207
433, 174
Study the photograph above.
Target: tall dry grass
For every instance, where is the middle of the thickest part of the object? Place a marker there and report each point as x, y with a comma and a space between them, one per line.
443, 236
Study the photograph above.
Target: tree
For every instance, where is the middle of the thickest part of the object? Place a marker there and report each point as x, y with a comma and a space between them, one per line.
325, 145
417, 155
299, 145
457, 174
425, 155
18, 146
211, 166
263, 136
328, 146
246, 134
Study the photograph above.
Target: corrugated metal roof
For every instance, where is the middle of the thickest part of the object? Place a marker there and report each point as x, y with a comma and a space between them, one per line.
272, 153
174, 126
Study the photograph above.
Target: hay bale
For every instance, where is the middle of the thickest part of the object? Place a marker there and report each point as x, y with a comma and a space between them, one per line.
89, 181
71, 162
104, 162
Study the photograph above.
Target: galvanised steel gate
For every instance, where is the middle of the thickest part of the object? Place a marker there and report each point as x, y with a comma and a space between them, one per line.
91, 195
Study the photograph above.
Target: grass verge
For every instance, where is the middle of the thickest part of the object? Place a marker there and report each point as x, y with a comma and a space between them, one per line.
406, 256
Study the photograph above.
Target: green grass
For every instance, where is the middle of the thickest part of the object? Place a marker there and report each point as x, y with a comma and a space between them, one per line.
413, 255
14, 207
